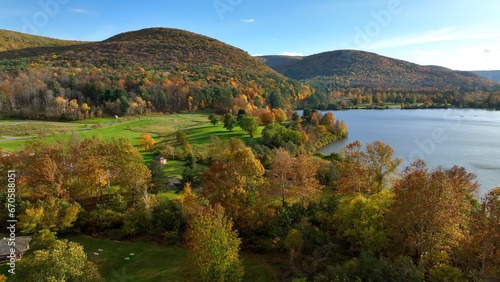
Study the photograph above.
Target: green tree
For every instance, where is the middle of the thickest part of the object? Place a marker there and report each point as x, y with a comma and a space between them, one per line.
159, 178
249, 124
230, 122
294, 243
181, 137
360, 222
214, 246
64, 261
213, 119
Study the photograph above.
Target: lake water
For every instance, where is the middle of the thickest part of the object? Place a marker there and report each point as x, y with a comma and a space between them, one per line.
468, 138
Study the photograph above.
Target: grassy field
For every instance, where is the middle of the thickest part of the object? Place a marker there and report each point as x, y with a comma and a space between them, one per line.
15, 133
155, 262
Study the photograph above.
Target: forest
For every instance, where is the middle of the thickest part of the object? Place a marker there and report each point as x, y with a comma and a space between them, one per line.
352, 216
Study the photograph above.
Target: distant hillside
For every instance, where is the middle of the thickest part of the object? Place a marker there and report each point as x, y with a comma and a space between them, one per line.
348, 68
156, 47
279, 63
10, 40
491, 75
169, 69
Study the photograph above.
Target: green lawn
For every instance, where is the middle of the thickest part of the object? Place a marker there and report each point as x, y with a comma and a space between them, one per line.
152, 262
200, 135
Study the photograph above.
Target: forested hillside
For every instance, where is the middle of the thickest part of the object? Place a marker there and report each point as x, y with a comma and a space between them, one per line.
10, 40
348, 78
154, 69
357, 68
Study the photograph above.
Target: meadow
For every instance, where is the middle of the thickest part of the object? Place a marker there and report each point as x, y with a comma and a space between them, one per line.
151, 262
15, 133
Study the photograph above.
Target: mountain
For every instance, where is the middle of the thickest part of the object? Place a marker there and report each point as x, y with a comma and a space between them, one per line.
491, 75
169, 69
10, 40
349, 68
156, 47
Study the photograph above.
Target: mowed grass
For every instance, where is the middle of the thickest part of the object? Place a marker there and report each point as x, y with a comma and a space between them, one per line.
200, 135
15, 134
152, 262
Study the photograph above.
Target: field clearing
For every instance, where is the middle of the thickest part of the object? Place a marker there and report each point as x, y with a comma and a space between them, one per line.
15, 133
152, 262
20, 128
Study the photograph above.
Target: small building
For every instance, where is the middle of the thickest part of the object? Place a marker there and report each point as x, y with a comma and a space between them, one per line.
21, 246
161, 160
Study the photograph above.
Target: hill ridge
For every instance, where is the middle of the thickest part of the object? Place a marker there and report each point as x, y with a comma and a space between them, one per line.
13, 40
353, 68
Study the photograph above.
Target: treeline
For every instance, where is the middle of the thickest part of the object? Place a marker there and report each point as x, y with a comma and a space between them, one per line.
348, 98
87, 92
350, 216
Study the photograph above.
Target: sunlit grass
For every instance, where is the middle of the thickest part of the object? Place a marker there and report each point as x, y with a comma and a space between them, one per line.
154, 262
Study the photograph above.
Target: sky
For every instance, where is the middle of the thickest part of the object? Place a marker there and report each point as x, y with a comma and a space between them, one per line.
458, 34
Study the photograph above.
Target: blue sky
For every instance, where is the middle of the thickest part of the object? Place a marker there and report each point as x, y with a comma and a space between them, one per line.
459, 34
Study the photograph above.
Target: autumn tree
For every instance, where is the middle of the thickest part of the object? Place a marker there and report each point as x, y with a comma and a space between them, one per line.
484, 244
328, 120
64, 261
213, 246
52, 214
429, 216
293, 177
368, 171
146, 141
233, 182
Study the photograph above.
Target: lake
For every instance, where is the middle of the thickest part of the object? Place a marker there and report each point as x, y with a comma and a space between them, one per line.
445, 137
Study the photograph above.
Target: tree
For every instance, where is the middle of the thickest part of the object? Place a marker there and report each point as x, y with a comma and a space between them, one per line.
484, 245
146, 141
213, 119
64, 261
328, 120
294, 243
230, 122
368, 171
52, 214
359, 221
181, 137
159, 178
293, 177
249, 124
213, 246
428, 216
233, 180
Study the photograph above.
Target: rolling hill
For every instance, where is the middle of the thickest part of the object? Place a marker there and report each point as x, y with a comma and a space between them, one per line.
10, 40
349, 68
170, 69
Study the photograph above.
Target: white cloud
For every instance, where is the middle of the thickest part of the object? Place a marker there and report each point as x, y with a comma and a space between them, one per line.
248, 20
441, 35
79, 11
463, 58
293, 54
